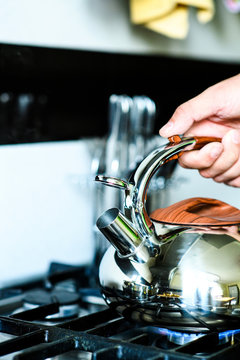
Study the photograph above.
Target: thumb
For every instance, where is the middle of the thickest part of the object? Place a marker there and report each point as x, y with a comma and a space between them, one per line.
199, 108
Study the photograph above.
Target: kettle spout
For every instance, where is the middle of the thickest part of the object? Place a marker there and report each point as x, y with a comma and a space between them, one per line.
120, 232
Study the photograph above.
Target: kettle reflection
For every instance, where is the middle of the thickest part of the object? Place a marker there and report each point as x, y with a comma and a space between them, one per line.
178, 267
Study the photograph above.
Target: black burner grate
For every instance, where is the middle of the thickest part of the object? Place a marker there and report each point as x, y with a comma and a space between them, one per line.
103, 335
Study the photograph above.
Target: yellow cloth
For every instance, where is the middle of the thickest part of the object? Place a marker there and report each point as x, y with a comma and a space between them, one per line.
144, 10
174, 25
205, 8
169, 17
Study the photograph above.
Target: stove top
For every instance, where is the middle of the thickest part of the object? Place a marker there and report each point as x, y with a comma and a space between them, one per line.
64, 317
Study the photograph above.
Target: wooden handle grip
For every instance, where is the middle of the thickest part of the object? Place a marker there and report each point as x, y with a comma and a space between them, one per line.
200, 142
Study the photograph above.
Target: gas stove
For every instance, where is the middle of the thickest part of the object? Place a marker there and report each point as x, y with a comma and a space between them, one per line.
63, 316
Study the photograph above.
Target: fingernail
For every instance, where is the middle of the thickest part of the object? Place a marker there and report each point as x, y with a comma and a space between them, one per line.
167, 127
216, 151
235, 137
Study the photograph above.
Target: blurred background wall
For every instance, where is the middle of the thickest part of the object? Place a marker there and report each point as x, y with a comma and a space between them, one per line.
60, 60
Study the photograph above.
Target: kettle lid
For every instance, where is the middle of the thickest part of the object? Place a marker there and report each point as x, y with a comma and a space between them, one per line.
198, 212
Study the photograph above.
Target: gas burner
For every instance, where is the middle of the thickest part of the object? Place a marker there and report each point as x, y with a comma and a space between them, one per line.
182, 338
228, 336
179, 338
68, 302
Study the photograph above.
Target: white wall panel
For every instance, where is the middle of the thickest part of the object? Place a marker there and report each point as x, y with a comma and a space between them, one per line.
104, 25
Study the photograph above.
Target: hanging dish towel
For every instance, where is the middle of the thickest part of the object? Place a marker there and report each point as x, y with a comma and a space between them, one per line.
169, 17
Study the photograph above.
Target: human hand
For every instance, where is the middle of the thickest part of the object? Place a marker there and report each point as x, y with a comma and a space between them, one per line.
215, 112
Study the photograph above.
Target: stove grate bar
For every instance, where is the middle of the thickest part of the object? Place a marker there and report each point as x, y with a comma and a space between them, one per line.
43, 341
47, 350
111, 328
108, 353
37, 313
197, 318
128, 351
16, 327
142, 339
22, 342
118, 353
55, 341
8, 305
91, 321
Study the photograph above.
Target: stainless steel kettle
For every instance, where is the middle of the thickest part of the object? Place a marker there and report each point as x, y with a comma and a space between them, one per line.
178, 267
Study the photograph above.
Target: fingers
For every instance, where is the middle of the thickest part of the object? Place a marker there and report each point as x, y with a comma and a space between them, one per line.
220, 161
230, 175
235, 182
228, 158
201, 159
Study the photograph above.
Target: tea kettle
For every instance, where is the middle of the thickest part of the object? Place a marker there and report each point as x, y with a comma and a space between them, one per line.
178, 267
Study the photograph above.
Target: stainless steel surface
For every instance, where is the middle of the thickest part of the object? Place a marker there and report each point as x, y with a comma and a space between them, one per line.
136, 190
113, 160
119, 231
116, 156
193, 270
130, 138
113, 182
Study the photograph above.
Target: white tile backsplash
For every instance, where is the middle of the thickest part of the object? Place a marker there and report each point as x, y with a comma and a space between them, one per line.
45, 207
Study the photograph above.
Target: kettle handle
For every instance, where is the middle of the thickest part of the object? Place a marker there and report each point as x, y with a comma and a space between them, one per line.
140, 179
136, 187
200, 141
135, 228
